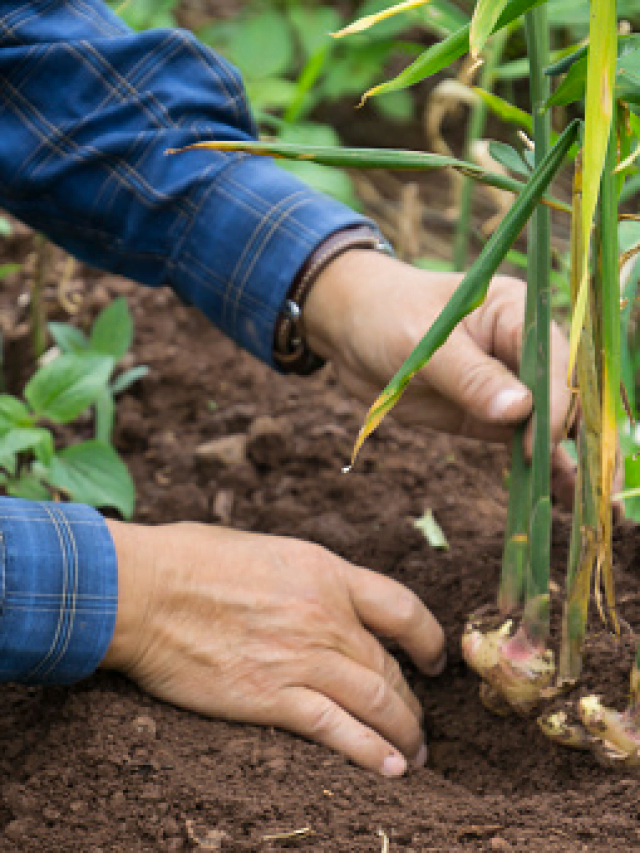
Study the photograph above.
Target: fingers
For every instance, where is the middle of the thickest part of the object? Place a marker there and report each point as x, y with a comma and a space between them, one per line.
368, 697
321, 719
365, 649
478, 384
391, 610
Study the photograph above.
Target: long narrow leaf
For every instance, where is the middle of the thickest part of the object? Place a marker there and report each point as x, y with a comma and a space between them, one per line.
598, 117
369, 158
485, 18
472, 289
368, 21
442, 54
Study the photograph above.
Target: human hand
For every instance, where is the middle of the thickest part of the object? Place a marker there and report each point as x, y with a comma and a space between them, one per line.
273, 631
367, 312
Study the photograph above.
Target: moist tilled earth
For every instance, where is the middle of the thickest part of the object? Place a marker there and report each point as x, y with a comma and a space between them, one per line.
101, 766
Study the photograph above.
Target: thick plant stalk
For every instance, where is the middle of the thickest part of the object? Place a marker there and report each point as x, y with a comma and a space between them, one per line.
517, 570
536, 615
517, 666
582, 549
607, 283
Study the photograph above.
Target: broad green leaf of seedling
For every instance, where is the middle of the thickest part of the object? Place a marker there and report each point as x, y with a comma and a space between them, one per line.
431, 530
485, 18
368, 21
30, 438
28, 487
64, 388
68, 338
598, 116
92, 472
112, 331
13, 413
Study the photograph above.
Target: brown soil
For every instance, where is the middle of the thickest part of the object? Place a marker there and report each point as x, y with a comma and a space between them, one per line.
102, 767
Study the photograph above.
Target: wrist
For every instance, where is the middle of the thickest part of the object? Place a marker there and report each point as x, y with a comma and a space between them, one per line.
291, 346
136, 584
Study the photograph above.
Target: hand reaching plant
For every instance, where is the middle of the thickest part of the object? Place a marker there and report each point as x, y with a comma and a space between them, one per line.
367, 312
293, 645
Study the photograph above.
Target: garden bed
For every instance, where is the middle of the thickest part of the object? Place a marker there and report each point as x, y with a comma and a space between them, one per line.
102, 767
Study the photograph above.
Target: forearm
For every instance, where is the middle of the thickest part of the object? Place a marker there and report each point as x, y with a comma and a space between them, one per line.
85, 134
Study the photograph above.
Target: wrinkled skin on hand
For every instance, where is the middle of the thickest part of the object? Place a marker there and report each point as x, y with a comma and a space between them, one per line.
367, 312
273, 631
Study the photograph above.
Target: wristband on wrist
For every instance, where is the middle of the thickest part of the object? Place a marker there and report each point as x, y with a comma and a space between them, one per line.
290, 350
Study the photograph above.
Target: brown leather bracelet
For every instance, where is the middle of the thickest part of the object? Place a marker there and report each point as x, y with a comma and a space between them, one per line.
290, 350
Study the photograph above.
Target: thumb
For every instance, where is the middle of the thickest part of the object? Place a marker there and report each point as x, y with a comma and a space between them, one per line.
481, 385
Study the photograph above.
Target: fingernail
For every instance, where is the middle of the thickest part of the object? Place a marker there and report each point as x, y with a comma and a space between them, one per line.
439, 667
504, 401
394, 765
421, 756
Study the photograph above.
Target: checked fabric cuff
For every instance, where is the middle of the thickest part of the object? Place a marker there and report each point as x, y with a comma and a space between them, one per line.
58, 591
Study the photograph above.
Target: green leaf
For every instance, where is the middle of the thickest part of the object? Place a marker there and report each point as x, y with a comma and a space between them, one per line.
13, 413
104, 416
508, 157
112, 331
29, 438
398, 106
443, 18
628, 77
29, 488
5, 227
64, 388
485, 18
128, 378
431, 530
271, 93
68, 337
473, 288
601, 70
434, 264
93, 473
442, 54
572, 87
506, 111
565, 63
369, 158
262, 46
312, 26
7, 269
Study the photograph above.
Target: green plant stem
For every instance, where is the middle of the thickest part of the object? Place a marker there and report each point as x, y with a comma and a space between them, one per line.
475, 130
536, 615
582, 549
607, 283
38, 319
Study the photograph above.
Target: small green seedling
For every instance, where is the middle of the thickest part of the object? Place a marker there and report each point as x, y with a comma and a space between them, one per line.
111, 335
61, 391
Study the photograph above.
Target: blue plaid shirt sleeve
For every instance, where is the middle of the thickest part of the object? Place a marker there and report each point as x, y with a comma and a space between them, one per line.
88, 110
58, 591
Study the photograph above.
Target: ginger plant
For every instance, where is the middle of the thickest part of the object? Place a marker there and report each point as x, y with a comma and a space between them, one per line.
512, 651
